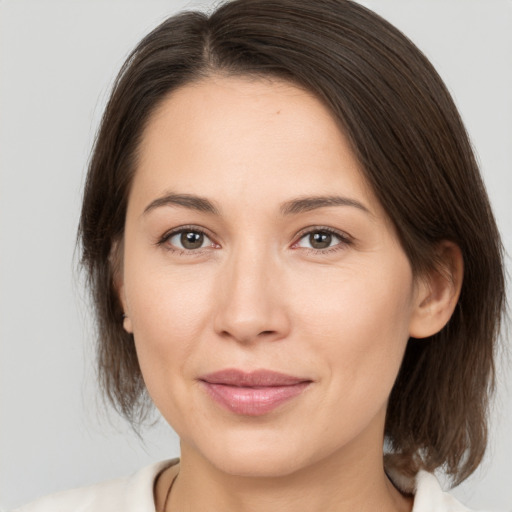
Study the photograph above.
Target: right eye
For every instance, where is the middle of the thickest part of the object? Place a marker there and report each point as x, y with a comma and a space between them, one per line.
187, 240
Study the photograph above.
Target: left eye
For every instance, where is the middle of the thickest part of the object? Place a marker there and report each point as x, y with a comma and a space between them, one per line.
189, 240
319, 240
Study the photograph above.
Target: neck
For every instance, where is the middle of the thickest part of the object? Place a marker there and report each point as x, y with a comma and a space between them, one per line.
334, 484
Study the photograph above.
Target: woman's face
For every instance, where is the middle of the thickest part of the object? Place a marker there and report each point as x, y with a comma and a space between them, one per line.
253, 243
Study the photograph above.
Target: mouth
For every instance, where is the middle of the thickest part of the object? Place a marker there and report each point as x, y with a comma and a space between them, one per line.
252, 393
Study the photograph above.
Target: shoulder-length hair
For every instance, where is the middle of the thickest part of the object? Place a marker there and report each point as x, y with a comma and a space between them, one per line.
413, 150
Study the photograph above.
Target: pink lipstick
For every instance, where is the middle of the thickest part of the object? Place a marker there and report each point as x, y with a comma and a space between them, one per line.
254, 393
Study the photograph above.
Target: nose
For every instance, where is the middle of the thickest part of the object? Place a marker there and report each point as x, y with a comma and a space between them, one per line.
251, 302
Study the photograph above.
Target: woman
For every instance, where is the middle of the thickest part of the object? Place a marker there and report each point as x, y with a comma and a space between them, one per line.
291, 251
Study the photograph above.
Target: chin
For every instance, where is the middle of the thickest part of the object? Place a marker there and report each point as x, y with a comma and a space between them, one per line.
259, 454
260, 464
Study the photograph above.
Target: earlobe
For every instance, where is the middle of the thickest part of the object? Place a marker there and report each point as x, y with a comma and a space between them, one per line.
119, 286
127, 324
438, 293
116, 265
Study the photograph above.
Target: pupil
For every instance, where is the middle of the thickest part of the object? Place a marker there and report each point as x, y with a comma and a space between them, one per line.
192, 240
320, 240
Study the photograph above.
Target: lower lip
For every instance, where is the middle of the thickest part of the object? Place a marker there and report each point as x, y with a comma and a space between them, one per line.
253, 401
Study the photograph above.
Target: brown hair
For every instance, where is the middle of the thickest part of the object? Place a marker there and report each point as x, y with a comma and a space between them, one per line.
414, 151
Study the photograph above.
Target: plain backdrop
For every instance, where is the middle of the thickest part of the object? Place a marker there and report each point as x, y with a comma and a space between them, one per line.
57, 63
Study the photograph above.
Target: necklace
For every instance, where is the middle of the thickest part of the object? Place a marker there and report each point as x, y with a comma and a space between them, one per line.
164, 509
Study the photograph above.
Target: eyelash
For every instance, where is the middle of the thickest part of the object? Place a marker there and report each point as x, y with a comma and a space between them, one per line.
163, 241
344, 240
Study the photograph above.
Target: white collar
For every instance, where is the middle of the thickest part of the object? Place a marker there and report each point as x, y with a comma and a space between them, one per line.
428, 493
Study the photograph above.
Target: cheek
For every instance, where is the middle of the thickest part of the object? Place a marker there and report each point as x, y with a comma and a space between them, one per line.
168, 311
358, 322
164, 303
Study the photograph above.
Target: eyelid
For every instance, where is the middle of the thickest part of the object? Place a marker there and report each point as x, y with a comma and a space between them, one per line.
345, 238
164, 239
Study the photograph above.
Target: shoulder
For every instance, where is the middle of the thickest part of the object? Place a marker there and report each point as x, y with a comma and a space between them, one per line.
134, 493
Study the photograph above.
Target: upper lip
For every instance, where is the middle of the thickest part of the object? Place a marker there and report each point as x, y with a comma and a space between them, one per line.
257, 378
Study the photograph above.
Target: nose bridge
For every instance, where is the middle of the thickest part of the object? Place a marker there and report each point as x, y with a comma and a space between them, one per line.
250, 305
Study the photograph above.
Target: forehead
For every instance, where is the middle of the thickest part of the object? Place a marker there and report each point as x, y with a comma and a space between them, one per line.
232, 136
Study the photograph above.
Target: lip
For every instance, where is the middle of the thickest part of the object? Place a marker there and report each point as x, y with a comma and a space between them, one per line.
252, 393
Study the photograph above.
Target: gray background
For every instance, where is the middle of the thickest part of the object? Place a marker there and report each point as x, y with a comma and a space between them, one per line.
57, 62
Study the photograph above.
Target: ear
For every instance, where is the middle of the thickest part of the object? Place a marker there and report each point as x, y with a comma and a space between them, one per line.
438, 292
115, 260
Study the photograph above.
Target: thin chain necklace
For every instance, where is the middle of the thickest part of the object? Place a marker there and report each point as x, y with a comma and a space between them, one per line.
168, 494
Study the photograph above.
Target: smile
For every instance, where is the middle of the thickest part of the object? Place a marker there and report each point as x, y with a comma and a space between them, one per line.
252, 394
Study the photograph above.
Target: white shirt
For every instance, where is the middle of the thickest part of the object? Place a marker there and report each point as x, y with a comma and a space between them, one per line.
135, 494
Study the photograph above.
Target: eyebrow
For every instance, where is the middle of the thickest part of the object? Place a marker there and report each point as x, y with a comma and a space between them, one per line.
306, 204
200, 204
292, 207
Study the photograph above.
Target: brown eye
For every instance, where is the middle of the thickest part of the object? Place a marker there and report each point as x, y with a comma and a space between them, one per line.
320, 240
189, 240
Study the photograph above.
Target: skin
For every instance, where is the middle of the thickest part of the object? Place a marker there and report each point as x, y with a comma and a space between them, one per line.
256, 295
